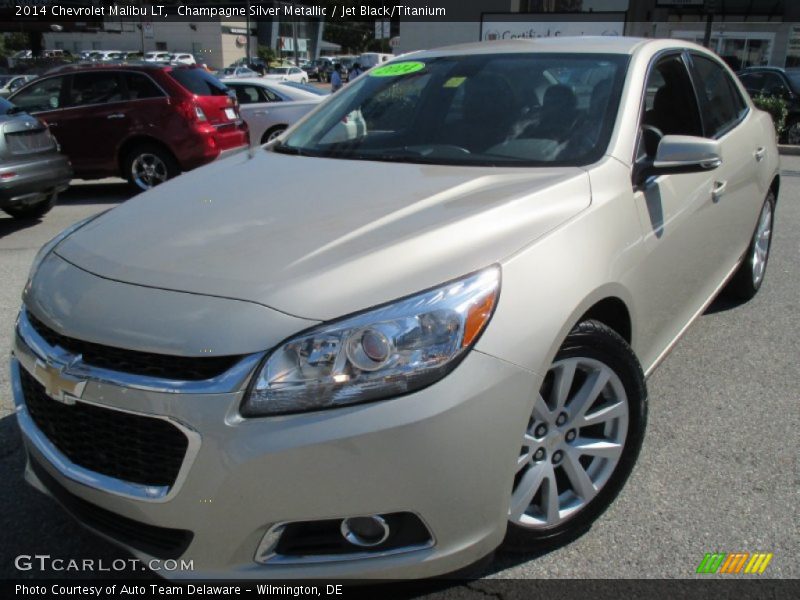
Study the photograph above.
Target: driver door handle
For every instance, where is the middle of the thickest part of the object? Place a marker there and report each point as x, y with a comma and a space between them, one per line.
718, 189
760, 153
116, 116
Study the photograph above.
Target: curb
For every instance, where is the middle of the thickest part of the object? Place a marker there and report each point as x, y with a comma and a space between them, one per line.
788, 150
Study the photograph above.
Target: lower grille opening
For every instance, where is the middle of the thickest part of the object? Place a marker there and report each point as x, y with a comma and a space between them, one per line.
315, 538
133, 448
159, 542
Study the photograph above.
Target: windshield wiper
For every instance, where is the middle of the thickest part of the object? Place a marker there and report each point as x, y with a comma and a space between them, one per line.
284, 149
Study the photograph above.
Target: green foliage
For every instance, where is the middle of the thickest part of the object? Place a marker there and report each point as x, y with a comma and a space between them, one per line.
776, 107
266, 53
14, 41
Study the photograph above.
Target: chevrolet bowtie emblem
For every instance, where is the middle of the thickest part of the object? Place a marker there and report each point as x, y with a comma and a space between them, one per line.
59, 385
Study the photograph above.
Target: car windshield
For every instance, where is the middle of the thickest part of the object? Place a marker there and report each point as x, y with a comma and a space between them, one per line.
794, 80
487, 109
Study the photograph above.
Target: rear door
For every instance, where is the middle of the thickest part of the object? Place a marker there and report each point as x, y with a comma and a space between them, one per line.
737, 197
255, 106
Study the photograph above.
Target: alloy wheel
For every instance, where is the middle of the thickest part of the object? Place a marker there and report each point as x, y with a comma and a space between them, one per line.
148, 170
761, 243
574, 440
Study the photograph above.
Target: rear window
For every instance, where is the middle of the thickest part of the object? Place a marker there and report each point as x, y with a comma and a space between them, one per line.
199, 81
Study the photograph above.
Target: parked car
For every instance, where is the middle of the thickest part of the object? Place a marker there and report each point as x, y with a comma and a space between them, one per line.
159, 56
311, 70
183, 58
782, 83
32, 170
11, 83
295, 74
238, 72
324, 68
144, 123
367, 60
388, 356
269, 107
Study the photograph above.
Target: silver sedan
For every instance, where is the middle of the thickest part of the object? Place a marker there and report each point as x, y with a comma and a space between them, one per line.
417, 326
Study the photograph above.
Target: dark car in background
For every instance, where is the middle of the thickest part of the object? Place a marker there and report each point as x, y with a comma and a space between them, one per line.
32, 170
145, 123
780, 83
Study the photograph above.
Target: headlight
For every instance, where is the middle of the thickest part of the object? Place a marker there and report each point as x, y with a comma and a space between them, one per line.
49, 246
387, 351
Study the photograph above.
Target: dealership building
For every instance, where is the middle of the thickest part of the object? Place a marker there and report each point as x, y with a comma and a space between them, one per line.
744, 32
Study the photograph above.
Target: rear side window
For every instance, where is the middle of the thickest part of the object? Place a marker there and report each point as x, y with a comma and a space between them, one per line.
95, 88
720, 102
141, 87
199, 81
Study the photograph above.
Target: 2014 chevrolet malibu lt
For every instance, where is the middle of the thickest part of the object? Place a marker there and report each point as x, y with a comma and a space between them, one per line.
436, 345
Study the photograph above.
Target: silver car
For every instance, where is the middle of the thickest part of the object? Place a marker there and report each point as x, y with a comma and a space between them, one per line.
392, 348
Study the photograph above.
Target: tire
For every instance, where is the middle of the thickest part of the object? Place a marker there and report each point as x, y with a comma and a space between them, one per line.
748, 279
271, 133
610, 426
32, 211
164, 165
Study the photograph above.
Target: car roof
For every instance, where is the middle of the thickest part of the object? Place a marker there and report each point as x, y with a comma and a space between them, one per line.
601, 44
136, 66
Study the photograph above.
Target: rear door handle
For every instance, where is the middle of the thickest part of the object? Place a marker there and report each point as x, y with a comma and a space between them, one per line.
116, 116
718, 189
760, 154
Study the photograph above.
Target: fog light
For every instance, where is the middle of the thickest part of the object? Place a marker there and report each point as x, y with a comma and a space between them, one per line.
365, 531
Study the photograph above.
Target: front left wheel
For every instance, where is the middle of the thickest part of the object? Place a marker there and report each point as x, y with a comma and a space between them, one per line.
580, 442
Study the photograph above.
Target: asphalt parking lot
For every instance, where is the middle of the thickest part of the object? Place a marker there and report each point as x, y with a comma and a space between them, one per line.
718, 471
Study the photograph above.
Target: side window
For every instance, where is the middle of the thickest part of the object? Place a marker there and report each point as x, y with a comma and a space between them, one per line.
720, 101
774, 86
41, 96
246, 94
95, 88
670, 105
140, 87
269, 95
753, 83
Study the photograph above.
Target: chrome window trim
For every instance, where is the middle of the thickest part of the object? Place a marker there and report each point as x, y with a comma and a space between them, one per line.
30, 346
93, 479
266, 552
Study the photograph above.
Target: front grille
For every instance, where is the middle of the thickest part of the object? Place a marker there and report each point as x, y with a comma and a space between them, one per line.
160, 542
29, 142
133, 448
165, 366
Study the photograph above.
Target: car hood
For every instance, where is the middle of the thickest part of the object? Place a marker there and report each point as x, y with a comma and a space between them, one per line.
319, 238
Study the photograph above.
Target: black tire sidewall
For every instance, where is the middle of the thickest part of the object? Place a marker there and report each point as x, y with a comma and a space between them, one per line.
742, 285
592, 339
33, 211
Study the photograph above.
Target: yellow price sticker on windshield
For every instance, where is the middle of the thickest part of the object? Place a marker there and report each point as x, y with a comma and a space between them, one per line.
454, 82
397, 69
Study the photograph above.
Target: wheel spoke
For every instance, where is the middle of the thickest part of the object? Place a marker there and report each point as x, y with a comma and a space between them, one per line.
601, 415
526, 489
541, 412
562, 384
550, 500
598, 448
581, 483
589, 392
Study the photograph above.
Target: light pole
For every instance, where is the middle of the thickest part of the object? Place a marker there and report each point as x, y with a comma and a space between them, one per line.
247, 26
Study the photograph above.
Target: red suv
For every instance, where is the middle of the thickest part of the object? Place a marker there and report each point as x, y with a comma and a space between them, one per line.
145, 123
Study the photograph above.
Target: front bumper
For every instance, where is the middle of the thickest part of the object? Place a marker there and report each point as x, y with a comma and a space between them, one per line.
445, 453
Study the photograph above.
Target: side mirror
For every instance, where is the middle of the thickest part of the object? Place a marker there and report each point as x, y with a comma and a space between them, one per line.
678, 154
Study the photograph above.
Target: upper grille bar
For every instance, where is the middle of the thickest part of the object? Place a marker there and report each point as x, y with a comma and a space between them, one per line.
31, 345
